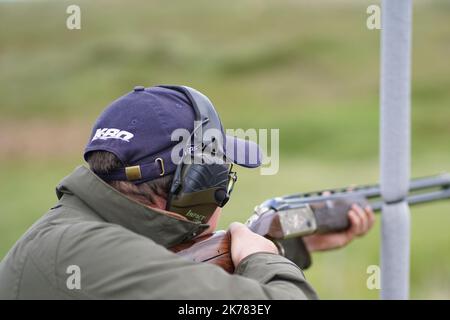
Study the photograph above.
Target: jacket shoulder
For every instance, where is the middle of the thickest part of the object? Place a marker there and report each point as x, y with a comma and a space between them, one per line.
31, 260
44, 257
109, 259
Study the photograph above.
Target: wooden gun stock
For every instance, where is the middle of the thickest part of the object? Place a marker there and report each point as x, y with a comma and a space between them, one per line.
214, 248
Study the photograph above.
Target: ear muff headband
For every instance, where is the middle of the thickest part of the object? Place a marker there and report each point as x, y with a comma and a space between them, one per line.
197, 189
205, 113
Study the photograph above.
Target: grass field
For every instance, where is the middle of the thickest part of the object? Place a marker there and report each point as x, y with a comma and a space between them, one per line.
310, 70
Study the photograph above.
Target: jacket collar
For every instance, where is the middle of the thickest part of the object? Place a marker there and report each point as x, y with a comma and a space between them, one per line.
115, 207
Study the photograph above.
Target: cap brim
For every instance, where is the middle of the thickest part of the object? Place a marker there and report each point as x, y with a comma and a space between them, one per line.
245, 153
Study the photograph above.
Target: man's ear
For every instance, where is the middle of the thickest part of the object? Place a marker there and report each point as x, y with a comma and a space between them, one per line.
158, 202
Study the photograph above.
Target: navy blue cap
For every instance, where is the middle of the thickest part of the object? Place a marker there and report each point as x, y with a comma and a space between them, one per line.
137, 128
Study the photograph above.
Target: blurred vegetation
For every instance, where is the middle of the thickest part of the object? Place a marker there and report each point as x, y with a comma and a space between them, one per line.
311, 70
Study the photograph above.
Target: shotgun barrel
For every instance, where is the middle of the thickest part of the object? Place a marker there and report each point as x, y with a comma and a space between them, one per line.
422, 190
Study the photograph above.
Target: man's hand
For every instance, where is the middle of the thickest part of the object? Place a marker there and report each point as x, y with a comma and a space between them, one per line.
360, 222
245, 242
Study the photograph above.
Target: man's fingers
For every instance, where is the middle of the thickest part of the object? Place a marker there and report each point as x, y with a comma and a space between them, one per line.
364, 227
237, 227
244, 242
370, 215
355, 222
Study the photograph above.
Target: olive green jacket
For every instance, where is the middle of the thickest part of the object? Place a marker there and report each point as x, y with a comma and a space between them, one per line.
98, 244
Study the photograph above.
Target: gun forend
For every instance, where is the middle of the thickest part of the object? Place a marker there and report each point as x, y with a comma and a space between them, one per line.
279, 221
287, 223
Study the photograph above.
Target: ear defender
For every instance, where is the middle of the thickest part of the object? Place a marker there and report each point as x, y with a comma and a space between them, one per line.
203, 188
202, 181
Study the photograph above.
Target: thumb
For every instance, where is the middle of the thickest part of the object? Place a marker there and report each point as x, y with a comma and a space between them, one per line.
237, 227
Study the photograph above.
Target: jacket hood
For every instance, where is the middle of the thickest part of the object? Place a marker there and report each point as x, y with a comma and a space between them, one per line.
114, 207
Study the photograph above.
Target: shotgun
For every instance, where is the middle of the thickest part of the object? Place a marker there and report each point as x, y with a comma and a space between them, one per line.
286, 219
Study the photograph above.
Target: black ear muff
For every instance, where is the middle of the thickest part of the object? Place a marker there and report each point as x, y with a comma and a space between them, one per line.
203, 188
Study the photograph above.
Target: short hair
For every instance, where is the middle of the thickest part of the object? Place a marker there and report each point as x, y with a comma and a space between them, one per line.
103, 162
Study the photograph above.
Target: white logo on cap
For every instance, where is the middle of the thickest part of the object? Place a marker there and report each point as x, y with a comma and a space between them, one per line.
105, 134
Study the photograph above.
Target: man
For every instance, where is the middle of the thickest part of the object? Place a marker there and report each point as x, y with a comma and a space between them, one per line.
109, 234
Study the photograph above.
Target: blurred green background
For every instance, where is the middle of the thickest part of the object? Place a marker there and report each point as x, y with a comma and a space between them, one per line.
309, 69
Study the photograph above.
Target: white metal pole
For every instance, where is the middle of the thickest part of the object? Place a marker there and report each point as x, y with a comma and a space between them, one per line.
396, 18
